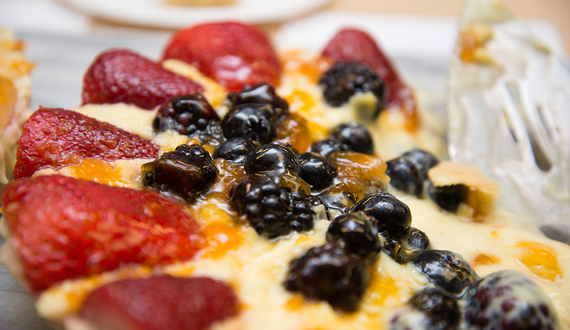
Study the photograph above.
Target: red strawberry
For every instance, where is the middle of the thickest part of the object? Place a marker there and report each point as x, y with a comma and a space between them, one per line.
56, 138
233, 54
160, 302
122, 76
358, 46
64, 228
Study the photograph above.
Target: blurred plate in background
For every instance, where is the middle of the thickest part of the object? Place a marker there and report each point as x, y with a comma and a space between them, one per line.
158, 14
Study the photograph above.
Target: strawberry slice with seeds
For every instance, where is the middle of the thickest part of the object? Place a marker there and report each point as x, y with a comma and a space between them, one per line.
56, 138
66, 228
120, 75
160, 302
233, 54
357, 46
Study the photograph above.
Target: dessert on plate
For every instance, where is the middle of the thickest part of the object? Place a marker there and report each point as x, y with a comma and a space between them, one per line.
231, 186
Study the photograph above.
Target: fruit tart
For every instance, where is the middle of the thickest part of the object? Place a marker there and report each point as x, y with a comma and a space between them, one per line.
232, 186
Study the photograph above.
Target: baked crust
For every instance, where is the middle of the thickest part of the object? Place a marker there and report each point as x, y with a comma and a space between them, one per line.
15, 93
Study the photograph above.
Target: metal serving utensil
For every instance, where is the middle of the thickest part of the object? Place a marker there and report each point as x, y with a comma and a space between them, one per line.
509, 114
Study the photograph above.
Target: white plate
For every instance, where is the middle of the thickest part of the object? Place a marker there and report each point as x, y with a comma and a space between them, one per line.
156, 13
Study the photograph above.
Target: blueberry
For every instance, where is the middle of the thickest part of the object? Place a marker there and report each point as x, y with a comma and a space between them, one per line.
331, 274
416, 242
272, 158
509, 299
235, 149
388, 213
261, 93
354, 136
405, 176
338, 200
184, 114
405, 249
316, 170
355, 233
423, 160
186, 172
449, 197
344, 79
326, 147
250, 120
441, 309
270, 209
447, 270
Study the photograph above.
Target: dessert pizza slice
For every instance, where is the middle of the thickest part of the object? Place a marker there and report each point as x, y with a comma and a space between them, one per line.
311, 215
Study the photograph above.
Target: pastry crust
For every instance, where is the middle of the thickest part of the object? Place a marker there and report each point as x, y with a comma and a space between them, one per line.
15, 93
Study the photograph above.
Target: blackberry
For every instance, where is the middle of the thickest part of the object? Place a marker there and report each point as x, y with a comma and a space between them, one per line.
423, 160
325, 147
272, 158
299, 214
344, 79
405, 249
316, 170
509, 299
271, 210
185, 114
261, 93
449, 197
252, 121
355, 233
431, 309
186, 172
447, 270
235, 149
405, 176
353, 136
331, 274
389, 214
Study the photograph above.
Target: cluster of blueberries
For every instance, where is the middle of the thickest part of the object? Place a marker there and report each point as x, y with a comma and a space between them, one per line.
280, 189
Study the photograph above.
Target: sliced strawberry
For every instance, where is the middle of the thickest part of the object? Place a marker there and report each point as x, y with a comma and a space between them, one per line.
233, 54
64, 228
160, 302
56, 138
120, 75
358, 46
